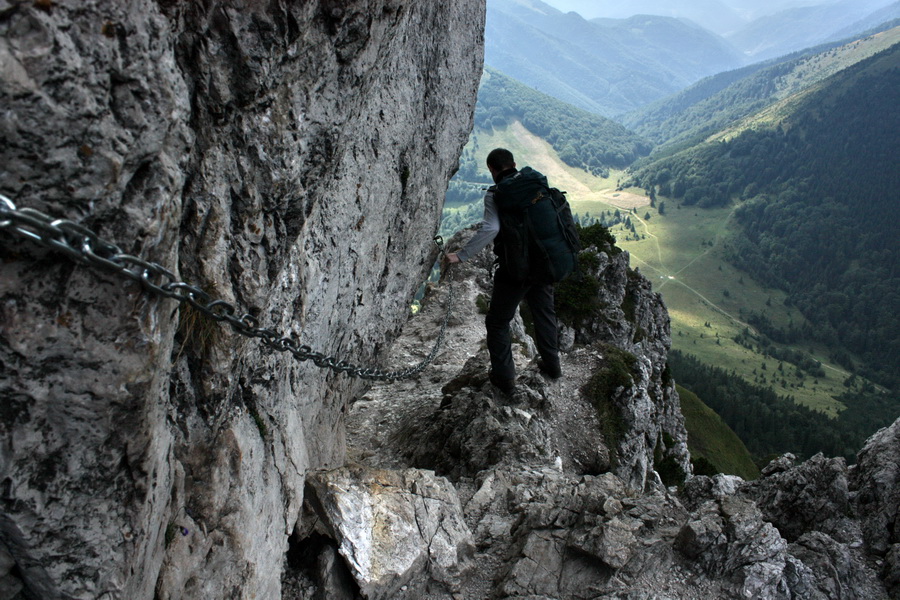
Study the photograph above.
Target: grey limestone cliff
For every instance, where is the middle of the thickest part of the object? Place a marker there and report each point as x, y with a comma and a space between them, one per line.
288, 157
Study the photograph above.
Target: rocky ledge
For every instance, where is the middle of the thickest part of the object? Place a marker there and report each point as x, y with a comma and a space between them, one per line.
455, 490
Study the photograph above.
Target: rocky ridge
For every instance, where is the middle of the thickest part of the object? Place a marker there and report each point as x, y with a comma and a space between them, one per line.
544, 504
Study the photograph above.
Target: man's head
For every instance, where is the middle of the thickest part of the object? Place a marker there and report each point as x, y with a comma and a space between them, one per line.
500, 160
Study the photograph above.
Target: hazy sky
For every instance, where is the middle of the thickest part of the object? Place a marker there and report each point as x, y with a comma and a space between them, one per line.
590, 9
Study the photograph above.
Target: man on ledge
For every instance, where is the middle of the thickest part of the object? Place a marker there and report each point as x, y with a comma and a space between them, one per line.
532, 253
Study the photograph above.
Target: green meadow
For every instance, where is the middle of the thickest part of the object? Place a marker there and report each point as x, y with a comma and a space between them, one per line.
681, 251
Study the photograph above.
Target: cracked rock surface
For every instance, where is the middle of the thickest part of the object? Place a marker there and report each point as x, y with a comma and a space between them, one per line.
286, 157
393, 526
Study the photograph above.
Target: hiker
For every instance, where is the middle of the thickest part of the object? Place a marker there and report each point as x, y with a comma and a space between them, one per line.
512, 281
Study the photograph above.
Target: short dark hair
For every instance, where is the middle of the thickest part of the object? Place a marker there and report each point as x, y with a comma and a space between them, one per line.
500, 158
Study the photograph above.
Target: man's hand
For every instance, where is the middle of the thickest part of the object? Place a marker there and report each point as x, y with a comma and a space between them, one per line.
447, 260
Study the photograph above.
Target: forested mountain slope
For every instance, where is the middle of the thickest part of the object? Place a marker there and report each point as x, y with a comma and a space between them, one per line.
582, 139
607, 67
819, 179
716, 102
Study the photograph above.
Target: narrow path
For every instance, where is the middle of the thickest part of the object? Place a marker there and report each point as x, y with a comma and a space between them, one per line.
655, 241
710, 303
693, 260
669, 277
715, 307
714, 245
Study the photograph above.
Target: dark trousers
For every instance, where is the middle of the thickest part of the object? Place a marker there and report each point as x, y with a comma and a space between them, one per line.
504, 300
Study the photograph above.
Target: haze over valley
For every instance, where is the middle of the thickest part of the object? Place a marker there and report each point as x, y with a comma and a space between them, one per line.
754, 183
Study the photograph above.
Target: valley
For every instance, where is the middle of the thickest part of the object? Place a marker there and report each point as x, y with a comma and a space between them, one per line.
758, 201
681, 253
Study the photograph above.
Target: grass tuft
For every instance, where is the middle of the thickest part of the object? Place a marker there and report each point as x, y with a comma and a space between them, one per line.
616, 371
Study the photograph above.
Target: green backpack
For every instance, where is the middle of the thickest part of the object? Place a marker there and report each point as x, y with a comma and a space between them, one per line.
538, 240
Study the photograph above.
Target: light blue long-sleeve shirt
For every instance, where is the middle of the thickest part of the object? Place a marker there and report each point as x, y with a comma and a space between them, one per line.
490, 227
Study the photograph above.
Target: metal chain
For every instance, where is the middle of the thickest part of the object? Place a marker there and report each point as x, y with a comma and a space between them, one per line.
85, 247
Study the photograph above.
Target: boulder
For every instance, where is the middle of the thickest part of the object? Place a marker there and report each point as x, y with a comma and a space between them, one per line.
401, 533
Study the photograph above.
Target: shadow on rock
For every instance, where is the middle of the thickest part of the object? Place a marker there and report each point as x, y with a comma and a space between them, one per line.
478, 427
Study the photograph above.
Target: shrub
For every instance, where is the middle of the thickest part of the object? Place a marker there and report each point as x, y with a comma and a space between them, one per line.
599, 236
616, 371
578, 297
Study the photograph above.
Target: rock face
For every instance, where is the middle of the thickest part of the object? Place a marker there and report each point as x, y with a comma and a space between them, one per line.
875, 480
289, 158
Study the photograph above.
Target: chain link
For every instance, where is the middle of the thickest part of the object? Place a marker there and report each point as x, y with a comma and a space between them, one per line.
85, 247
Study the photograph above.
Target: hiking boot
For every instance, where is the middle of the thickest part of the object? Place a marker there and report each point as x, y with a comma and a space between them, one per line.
507, 386
551, 370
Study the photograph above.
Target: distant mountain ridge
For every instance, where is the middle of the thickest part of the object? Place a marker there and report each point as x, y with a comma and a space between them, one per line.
713, 15
802, 27
885, 15
607, 67
729, 17
718, 102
